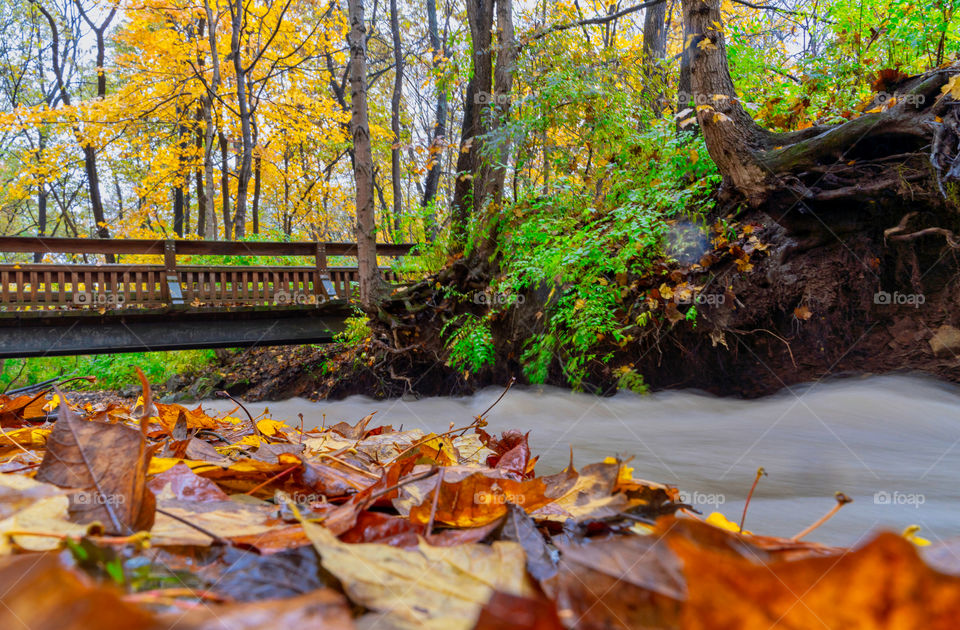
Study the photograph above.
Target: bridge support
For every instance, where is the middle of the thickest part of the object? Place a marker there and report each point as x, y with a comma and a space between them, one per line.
147, 332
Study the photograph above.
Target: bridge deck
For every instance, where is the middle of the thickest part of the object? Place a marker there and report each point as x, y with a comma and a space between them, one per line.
78, 308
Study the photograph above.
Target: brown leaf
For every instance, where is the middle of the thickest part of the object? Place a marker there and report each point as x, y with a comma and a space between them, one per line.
182, 483
322, 609
355, 431
39, 594
479, 499
106, 465
505, 611
884, 584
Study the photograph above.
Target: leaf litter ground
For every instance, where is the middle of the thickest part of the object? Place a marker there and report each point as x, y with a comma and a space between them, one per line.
165, 517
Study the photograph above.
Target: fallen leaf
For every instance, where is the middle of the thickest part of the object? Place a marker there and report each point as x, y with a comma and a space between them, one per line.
442, 588
105, 465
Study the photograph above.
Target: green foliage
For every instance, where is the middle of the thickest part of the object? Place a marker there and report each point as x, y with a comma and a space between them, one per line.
632, 381
113, 371
469, 342
583, 245
356, 332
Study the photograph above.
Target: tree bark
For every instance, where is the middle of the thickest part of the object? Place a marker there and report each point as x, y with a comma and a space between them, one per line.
371, 285
432, 180
237, 20
466, 193
209, 230
875, 156
256, 194
395, 116
654, 51
225, 186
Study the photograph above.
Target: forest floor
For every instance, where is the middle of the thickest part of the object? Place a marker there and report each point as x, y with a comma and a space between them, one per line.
161, 516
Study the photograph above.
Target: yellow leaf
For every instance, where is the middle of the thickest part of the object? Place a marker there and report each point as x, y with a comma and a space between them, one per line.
717, 519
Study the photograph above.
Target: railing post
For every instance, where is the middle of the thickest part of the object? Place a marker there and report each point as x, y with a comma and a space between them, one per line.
322, 278
174, 294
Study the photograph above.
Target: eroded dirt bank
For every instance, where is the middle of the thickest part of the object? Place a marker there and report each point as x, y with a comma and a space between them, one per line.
786, 299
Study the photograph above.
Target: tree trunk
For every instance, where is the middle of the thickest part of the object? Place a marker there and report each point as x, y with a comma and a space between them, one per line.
865, 159
467, 194
225, 186
256, 195
432, 181
395, 116
209, 129
654, 51
371, 285
237, 21
499, 155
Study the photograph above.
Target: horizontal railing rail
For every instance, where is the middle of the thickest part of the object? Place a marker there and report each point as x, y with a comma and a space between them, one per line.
58, 245
115, 286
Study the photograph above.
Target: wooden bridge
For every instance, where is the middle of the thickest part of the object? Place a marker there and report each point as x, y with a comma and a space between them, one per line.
145, 299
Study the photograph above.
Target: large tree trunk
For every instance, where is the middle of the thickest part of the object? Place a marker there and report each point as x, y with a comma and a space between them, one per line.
395, 116
238, 20
432, 180
654, 51
467, 192
209, 220
876, 155
371, 285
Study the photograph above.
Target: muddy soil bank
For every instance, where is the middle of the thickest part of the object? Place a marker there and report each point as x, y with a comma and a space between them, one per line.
826, 296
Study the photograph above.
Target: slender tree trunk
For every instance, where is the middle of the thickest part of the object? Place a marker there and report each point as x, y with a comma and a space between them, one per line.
395, 116
654, 51
225, 186
432, 181
201, 191
256, 194
466, 199
181, 179
209, 230
500, 108
369, 274
238, 18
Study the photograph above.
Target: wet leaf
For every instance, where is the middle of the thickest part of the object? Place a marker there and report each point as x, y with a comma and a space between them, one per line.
512, 612
322, 609
427, 588
884, 584
479, 499
40, 594
105, 465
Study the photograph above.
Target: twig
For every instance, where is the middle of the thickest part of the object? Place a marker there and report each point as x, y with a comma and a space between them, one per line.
428, 438
408, 480
760, 473
513, 379
253, 423
842, 500
217, 539
436, 500
271, 480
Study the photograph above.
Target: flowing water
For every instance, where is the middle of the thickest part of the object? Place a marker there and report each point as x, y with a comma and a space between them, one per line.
892, 443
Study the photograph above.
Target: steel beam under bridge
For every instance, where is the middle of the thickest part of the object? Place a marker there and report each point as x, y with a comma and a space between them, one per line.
22, 335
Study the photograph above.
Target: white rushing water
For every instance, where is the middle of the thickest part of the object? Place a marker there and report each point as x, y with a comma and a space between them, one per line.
892, 443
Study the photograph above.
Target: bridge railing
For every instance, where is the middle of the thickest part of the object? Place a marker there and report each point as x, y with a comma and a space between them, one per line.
113, 286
